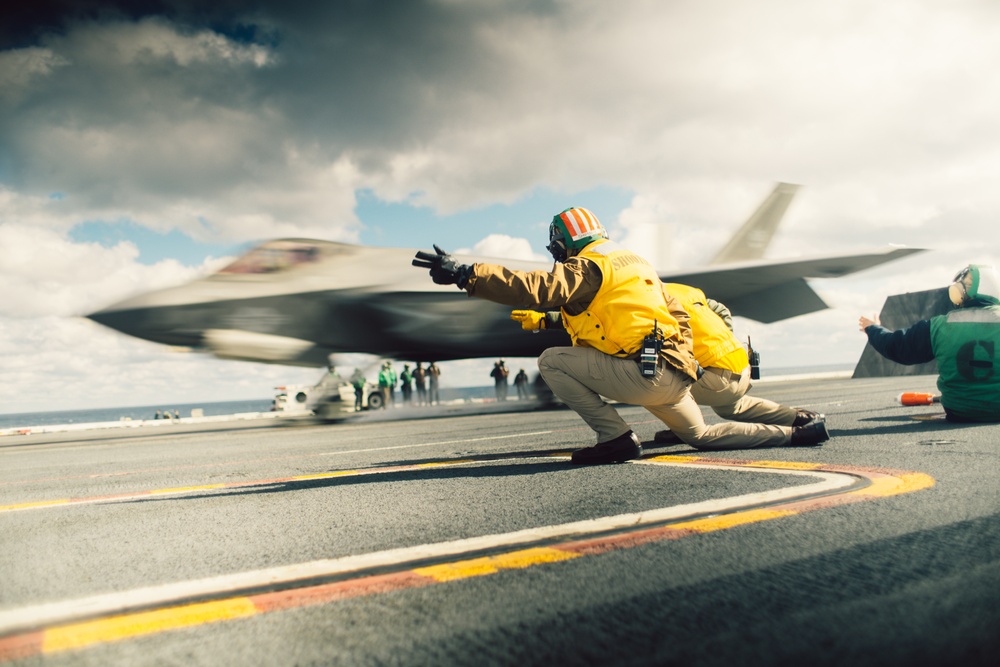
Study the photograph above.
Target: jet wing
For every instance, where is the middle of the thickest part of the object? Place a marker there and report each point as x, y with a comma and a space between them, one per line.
768, 291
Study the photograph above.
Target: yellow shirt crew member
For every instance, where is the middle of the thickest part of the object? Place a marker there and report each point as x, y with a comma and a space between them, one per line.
609, 299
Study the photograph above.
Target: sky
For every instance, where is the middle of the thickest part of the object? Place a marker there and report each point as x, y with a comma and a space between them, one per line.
144, 144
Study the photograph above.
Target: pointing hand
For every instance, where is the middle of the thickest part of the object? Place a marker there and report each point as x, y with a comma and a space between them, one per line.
443, 268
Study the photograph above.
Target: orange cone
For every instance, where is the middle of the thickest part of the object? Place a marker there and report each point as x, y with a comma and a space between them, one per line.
917, 398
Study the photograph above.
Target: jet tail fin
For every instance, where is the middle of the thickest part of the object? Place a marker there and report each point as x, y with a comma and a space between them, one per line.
753, 238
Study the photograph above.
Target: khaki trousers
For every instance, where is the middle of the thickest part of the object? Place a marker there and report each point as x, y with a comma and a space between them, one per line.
725, 392
581, 376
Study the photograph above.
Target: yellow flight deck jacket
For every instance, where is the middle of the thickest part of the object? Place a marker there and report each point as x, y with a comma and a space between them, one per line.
715, 346
608, 298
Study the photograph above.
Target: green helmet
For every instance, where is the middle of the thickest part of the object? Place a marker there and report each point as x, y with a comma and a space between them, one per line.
573, 229
975, 285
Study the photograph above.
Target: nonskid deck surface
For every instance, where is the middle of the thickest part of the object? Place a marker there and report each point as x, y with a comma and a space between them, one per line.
472, 537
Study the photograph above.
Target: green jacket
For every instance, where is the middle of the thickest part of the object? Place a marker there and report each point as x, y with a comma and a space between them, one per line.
387, 378
966, 344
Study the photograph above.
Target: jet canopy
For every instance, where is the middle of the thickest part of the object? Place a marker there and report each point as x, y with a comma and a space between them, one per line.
281, 256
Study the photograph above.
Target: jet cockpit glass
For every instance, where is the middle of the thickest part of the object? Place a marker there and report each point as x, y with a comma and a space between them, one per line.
274, 257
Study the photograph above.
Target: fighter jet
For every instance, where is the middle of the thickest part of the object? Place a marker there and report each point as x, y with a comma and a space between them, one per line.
299, 301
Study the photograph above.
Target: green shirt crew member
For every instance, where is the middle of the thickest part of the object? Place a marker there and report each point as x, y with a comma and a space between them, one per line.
965, 343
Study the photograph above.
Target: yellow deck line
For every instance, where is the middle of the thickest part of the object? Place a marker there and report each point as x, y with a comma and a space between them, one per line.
68, 636
476, 567
116, 628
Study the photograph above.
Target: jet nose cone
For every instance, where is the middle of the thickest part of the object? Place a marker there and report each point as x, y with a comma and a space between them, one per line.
119, 320
158, 324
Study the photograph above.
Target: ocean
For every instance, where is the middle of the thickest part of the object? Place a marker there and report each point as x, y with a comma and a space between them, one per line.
26, 419
59, 417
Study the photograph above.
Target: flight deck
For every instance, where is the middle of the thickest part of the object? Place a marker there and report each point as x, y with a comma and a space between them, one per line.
471, 538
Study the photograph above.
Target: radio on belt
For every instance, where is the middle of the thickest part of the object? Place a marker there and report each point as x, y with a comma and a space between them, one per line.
650, 352
754, 357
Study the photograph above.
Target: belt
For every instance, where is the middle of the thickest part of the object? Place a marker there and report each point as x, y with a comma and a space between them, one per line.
725, 373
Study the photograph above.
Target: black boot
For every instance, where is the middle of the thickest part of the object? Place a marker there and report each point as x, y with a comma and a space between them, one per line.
812, 434
667, 437
623, 448
804, 416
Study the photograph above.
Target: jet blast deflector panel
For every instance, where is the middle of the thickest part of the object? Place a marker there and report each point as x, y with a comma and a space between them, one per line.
899, 312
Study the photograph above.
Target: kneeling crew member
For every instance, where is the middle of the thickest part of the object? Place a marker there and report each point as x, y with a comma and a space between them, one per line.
965, 343
610, 299
726, 380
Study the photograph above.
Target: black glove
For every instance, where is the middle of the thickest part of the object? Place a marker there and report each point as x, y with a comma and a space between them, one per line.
444, 269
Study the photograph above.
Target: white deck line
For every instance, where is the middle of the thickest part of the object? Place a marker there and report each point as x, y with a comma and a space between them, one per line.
139, 423
43, 615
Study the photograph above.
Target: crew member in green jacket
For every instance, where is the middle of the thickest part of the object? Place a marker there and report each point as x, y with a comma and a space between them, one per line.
965, 342
387, 383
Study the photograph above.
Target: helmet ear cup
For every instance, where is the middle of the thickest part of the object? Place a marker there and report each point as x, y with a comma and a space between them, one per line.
557, 240
957, 293
557, 248
976, 285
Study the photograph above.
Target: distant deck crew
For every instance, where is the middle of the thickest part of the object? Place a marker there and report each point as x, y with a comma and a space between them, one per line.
433, 375
499, 375
420, 382
521, 383
406, 384
358, 382
387, 384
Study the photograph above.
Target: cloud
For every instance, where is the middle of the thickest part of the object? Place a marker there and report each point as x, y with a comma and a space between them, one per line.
44, 274
20, 69
455, 106
159, 124
233, 124
505, 247
76, 364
